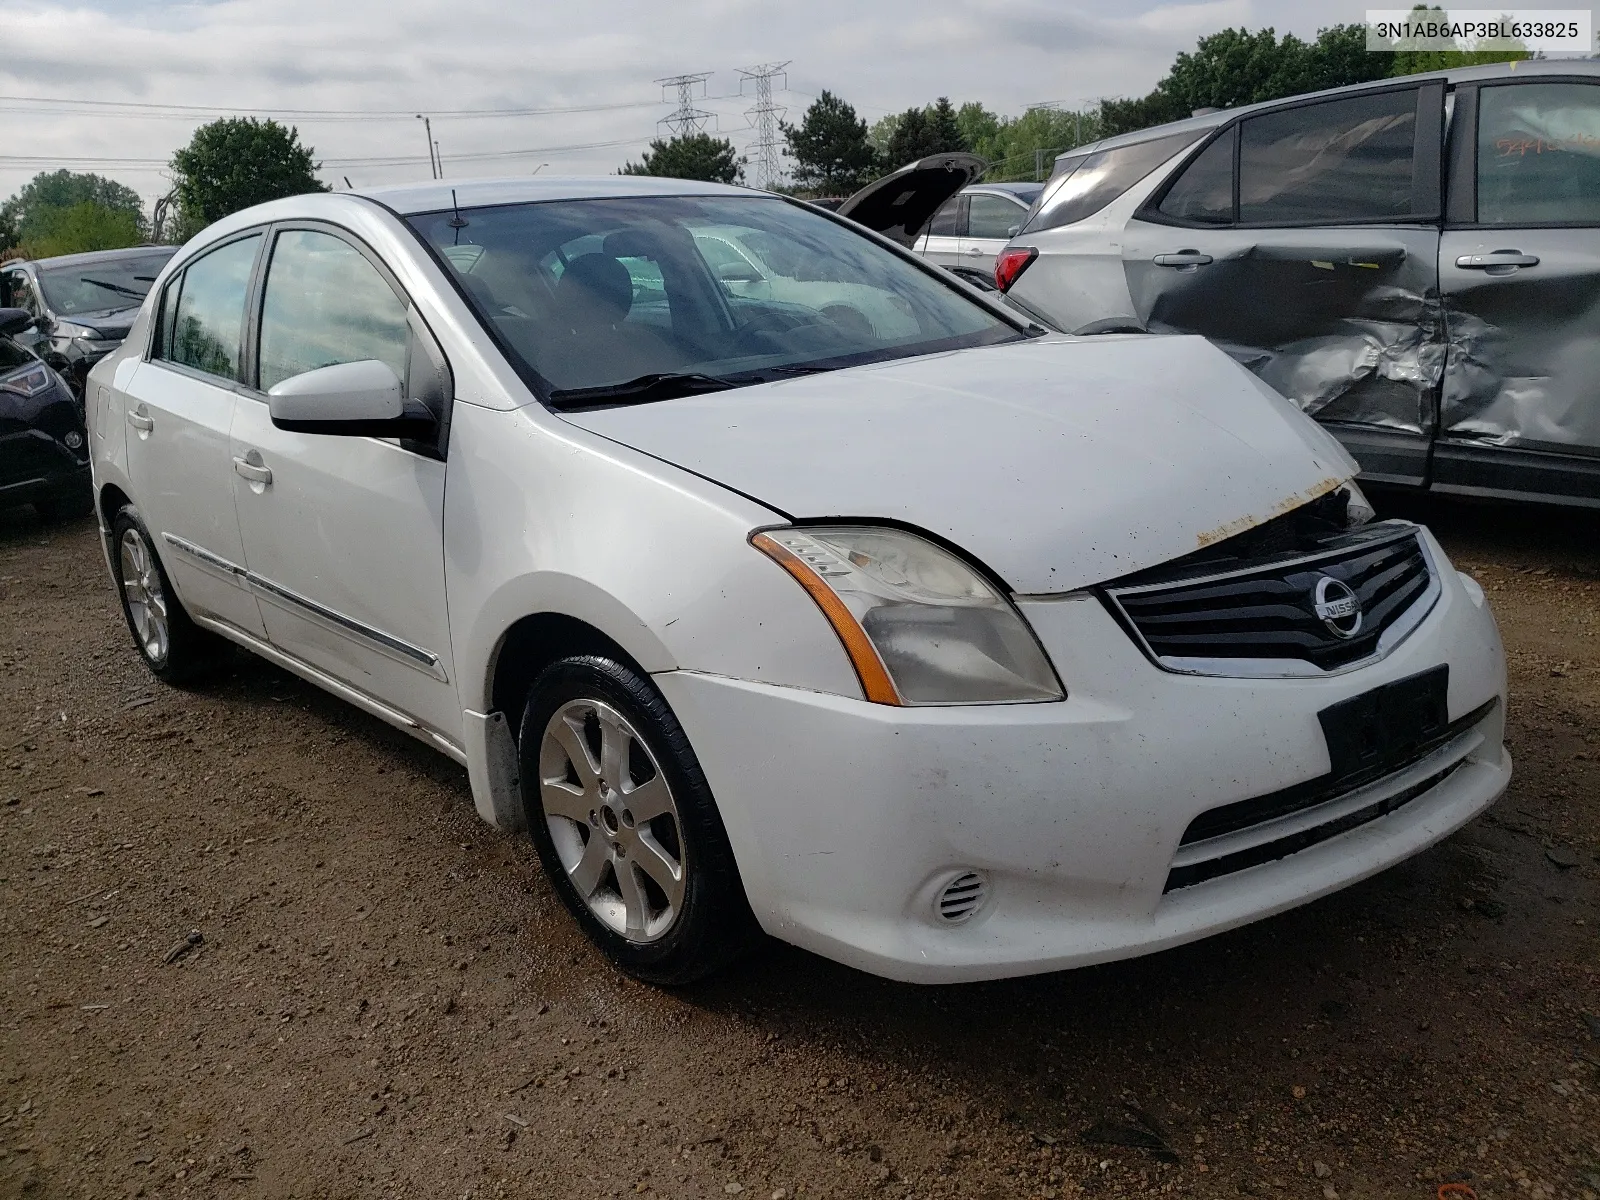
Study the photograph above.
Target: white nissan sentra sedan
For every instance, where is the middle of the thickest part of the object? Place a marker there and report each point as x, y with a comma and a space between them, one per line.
871, 617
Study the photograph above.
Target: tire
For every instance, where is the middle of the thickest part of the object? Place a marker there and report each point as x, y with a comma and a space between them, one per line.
174, 648
658, 889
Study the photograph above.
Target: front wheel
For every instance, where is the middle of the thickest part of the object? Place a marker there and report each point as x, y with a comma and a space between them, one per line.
626, 826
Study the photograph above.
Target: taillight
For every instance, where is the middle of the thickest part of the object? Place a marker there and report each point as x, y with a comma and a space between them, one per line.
1013, 261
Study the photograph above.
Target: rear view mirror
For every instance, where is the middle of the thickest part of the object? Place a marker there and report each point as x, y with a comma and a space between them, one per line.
359, 399
15, 320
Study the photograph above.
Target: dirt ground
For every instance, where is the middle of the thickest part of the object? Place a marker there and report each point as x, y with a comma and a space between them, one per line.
388, 999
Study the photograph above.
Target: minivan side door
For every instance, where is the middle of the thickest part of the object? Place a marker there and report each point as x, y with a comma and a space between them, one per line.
179, 406
344, 535
1519, 271
1303, 240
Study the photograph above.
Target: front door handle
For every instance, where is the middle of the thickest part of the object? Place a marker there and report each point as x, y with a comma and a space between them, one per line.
1496, 258
1182, 258
140, 419
255, 471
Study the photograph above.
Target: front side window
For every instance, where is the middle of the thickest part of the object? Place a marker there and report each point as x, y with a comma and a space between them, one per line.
16, 291
325, 304
1087, 184
1539, 154
1331, 163
991, 216
208, 318
1203, 193
111, 284
591, 294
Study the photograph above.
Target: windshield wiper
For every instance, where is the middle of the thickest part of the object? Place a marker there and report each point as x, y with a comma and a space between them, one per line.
117, 287
658, 385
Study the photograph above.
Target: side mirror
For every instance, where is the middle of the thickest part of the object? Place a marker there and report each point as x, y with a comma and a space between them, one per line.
15, 320
1012, 231
738, 272
356, 399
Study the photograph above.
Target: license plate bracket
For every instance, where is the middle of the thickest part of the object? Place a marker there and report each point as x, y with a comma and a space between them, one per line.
1380, 731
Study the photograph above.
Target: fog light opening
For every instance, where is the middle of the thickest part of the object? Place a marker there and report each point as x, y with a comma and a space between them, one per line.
960, 899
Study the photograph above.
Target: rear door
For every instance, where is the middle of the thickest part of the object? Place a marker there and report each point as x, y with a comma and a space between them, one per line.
179, 406
1304, 242
941, 243
1520, 277
993, 220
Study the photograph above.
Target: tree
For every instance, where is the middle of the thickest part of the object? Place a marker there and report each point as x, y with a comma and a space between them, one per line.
945, 128
1418, 57
1025, 147
690, 156
977, 124
51, 191
831, 154
86, 226
236, 162
912, 139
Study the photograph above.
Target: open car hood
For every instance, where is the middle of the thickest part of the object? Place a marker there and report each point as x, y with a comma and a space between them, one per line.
900, 204
1058, 463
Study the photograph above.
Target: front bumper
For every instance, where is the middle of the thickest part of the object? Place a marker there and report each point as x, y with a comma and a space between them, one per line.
35, 467
848, 819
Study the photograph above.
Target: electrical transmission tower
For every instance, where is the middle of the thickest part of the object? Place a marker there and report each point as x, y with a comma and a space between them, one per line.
687, 119
765, 154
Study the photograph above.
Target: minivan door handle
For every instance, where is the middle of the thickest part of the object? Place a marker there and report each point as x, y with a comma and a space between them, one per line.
252, 468
1496, 258
140, 419
1182, 258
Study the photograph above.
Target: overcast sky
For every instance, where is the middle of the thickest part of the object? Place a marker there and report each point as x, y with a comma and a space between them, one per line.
406, 56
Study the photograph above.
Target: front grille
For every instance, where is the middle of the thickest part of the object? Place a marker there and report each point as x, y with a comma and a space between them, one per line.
1269, 612
1244, 815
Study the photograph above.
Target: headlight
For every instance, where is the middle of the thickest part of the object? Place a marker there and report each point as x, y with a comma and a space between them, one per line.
29, 381
71, 329
920, 625
1358, 509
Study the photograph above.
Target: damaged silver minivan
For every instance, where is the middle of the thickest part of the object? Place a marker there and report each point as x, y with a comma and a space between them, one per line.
1414, 262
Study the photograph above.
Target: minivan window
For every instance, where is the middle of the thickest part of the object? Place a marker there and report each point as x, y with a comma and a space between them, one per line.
326, 304
208, 323
1100, 178
1203, 193
1331, 163
1539, 154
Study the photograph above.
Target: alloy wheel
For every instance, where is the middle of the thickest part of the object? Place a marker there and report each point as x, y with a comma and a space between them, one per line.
613, 820
146, 598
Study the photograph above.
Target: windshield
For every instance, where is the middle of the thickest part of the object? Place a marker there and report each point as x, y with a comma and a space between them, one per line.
97, 286
591, 295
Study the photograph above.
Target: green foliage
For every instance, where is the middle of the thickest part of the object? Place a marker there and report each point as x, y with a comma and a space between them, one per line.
1236, 67
829, 149
1025, 147
236, 162
1414, 59
919, 132
690, 156
85, 226
34, 211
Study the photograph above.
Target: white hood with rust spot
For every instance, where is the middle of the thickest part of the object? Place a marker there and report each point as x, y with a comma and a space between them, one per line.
1058, 463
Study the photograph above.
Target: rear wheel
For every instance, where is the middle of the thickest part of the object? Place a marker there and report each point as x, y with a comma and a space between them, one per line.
625, 824
174, 648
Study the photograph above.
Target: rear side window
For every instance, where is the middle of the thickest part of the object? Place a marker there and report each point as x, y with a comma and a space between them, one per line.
326, 304
1539, 154
208, 317
946, 221
1331, 163
1203, 193
991, 216
1100, 178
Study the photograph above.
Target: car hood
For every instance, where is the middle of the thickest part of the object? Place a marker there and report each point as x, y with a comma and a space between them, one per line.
1057, 463
112, 323
901, 203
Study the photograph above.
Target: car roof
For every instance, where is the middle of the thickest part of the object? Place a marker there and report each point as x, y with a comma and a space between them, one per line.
438, 195
1023, 189
1456, 75
89, 257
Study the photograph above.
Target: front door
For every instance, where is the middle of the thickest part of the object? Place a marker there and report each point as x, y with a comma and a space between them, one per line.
179, 406
1519, 267
992, 221
344, 536
1304, 242
18, 290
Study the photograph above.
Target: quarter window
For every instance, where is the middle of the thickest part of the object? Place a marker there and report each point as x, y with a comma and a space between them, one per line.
208, 318
326, 304
1331, 163
1539, 154
990, 216
1097, 179
1203, 193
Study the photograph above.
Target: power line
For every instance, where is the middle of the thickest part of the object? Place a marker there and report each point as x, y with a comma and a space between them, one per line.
764, 116
687, 118
368, 161
145, 110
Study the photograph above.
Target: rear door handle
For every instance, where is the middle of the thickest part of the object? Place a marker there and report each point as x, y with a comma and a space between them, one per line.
1496, 258
255, 472
140, 421
1182, 258
974, 250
